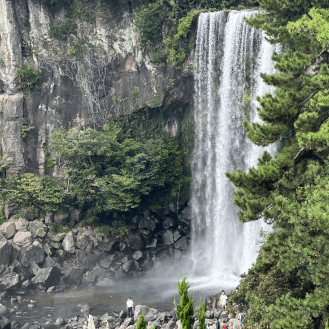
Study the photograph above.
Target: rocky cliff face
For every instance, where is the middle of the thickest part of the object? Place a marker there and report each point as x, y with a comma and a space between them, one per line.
112, 77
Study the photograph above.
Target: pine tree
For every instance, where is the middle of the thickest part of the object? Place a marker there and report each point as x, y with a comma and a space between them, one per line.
141, 323
186, 305
202, 316
288, 287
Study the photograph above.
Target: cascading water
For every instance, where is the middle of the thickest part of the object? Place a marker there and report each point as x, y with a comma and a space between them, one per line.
229, 57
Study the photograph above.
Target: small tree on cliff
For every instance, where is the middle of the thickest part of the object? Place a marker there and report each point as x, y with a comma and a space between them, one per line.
186, 306
141, 323
202, 315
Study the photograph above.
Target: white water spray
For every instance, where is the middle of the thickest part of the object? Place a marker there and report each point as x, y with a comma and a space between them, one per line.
230, 55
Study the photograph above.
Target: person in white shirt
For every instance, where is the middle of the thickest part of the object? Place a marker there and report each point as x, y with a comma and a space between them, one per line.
130, 307
223, 300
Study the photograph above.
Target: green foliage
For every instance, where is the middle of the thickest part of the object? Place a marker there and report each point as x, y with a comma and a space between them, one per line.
27, 77
55, 228
62, 29
135, 93
31, 191
77, 49
186, 305
288, 286
81, 11
141, 323
202, 315
115, 169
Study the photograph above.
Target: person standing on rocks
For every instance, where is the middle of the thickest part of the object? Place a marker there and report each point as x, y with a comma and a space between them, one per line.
130, 307
223, 299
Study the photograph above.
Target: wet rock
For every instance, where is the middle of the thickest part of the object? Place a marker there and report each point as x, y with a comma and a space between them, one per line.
76, 215
51, 289
68, 243
21, 224
8, 229
31, 213
85, 309
167, 238
22, 238
177, 254
59, 322
122, 315
2, 238
48, 262
129, 266
89, 278
152, 244
9, 281
151, 315
146, 224
140, 309
74, 276
109, 245
15, 325
49, 277
62, 218
185, 216
105, 263
3, 310
138, 255
168, 222
34, 268
32, 254
135, 242
181, 243
119, 274
176, 235
126, 323
104, 282
5, 252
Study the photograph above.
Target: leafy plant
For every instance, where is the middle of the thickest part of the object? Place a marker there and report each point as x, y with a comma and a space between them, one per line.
135, 93
2, 63
27, 77
62, 29
141, 323
55, 228
202, 315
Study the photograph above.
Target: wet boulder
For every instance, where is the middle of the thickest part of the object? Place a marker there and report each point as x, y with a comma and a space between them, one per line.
130, 266
82, 241
146, 224
181, 243
168, 222
89, 278
62, 218
109, 245
9, 281
21, 224
48, 277
8, 229
167, 238
135, 242
5, 252
38, 229
74, 275
32, 254
140, 309
151, 315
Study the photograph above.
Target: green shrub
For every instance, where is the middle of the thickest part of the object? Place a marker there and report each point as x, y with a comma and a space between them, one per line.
202, 315
62, 29
81, 11
55, 228
78, 48
141, 323
186, 305
241, 7
27, 77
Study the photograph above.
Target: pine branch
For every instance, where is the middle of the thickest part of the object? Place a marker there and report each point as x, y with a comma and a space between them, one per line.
307, 99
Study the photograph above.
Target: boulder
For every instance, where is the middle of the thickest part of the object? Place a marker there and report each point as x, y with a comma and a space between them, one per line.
82, 241
185, 216
22, 238
138, 255
21, 224
104, 282
58, 237
152, 244
176, 235
129, 266
109, 245
167, 238
38, 229
8, 229
105, 263
140, 309
89, 278
2, 238
146, 224
74, 276
135, 242
49, 218
59, 322
181, 243
168, 222
126, 323
9, 281
177, 254
49, 262
3, 310
31, 213
68, 243
9, 210
236, 324
76, 215
32, 254
62, 218
5, 252
49, 276
178, 325
151, 314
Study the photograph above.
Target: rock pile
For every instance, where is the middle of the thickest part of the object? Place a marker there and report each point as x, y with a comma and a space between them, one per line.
33, 256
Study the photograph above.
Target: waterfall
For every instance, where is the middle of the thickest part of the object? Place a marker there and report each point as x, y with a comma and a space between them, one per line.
229, 57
